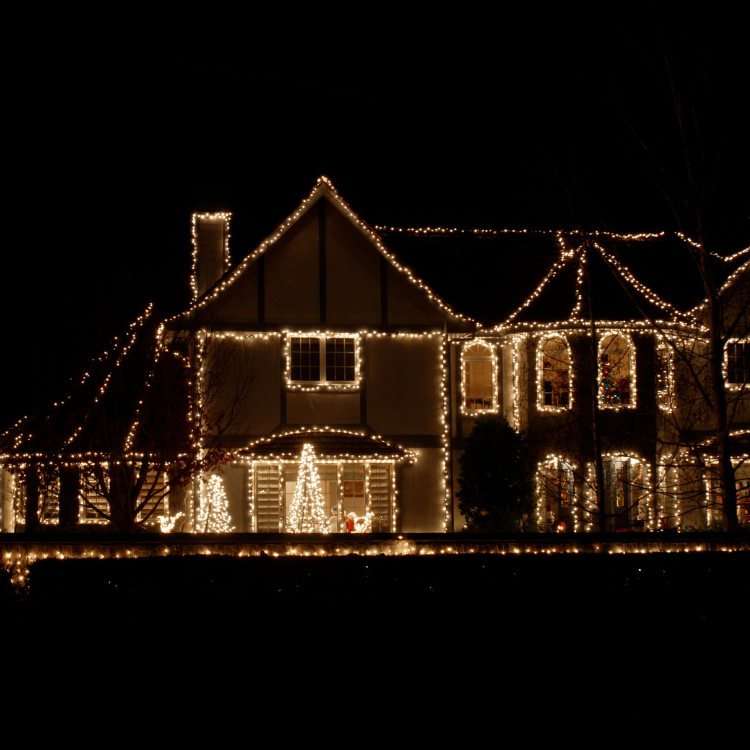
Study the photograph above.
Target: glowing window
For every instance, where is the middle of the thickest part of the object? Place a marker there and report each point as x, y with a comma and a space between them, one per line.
716, 505
664, 375
323, 360
557, 510
356, 496
479, 380
625, 490
553, 373
616, 371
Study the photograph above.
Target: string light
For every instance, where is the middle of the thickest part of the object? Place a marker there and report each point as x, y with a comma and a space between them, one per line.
307, 512
681, 330
213, 515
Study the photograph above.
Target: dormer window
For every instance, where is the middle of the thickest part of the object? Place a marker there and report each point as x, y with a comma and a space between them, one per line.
479, 379
323, 361
553, 374
616, 372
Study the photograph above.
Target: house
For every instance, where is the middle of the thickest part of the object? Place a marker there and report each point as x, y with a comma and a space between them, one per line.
347, 350
327, 335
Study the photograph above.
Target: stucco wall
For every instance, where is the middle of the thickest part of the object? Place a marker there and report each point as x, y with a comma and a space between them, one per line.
404, 388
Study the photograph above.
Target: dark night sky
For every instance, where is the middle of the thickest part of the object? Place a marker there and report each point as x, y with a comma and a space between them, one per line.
457, 122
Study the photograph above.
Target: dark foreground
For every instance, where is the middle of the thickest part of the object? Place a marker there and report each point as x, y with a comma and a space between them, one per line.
414, 604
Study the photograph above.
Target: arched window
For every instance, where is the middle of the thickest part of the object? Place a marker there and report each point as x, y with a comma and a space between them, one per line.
479, 378
553, 373
626, 492
616, 376
664, 376
556, 491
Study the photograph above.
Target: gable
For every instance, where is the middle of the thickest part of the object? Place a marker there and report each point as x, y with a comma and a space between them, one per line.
322, 267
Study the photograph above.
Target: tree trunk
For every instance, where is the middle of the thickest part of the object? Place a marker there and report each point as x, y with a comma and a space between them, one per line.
68, 500
121, 500
31, 481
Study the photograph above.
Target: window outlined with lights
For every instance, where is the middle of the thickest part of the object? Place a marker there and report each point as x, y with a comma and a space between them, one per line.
553, 374
616, 383
323, 361
478, 378
736, 365
714, 499
556, 502
664, 375
626, 490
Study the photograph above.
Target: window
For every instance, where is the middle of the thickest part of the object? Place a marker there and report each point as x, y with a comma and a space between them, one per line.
354, 495
557, 508
553, 374
616, 381
323, 361
716, 506
664, 375
155, 491
479, 379
737, 363
625, 492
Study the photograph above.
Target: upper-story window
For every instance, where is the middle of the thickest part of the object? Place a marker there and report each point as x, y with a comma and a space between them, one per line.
479, 378
553, 374
737, 363
664, 375
616, 371
322, 361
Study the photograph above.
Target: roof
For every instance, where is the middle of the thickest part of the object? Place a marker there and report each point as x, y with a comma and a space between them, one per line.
132, 400
525, 276
337, 444
323, 187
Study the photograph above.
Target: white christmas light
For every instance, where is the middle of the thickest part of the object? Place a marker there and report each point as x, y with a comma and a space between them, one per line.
307, 513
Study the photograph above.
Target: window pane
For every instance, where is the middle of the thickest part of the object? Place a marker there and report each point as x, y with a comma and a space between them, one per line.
478, 377
737, 363
340, 364
614, 371
305, 353
554, 362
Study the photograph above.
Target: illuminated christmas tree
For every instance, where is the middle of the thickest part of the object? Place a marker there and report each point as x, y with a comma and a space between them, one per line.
214, 516
608, 385
307, 512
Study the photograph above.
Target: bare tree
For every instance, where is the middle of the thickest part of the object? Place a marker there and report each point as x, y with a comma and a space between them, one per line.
140, 427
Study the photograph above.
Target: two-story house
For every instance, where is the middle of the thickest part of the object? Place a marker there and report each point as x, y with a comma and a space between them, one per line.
328, 335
